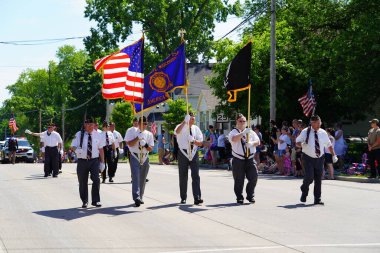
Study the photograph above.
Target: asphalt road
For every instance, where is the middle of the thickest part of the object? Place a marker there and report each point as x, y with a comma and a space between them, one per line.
43, 215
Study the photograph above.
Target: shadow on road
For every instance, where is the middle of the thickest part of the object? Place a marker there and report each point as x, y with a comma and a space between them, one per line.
77, 213
296, 206
277, 177
34, 177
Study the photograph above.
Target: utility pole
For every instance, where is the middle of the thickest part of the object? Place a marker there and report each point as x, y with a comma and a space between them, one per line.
272, 88
63, 126
40, 120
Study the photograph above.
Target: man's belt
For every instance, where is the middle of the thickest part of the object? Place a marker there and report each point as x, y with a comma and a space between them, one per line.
90, 159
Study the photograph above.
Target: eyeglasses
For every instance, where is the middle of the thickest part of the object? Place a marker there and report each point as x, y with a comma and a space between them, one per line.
242, 121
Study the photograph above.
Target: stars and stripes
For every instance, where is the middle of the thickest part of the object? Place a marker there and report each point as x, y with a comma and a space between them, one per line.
153, 128
12, 124
308, 102
123, 75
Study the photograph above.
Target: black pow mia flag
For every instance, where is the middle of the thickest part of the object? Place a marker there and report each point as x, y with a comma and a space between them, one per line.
237, 75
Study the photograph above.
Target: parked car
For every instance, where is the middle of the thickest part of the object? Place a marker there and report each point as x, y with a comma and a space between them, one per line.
24, 152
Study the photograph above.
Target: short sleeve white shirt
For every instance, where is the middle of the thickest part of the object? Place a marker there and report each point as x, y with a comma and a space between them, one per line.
183, 136
111, 140
52, 139
97, 143
132, 134
117, 138
309, 149
221, 142
286, 141
237, 147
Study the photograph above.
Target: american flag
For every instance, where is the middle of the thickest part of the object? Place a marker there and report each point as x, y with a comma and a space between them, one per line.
308, 102
12, 125
123, 75
153, 128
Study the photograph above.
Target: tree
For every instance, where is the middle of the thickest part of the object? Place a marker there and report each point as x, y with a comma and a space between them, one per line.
161, 20
175, 114
330, 42
122, 115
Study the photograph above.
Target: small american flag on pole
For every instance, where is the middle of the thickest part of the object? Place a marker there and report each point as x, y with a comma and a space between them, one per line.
153, 128
308, 102
12, 125
123, 75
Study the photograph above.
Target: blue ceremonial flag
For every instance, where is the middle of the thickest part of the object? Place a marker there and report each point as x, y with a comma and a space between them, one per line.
167, 76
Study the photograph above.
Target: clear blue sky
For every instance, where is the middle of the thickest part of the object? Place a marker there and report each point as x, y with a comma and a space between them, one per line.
46, 19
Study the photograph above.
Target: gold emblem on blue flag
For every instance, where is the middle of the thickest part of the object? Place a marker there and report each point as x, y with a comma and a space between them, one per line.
160, 82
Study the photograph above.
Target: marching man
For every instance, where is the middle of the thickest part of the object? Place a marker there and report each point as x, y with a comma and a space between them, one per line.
53, 144
140, 142
189, 138
243, 162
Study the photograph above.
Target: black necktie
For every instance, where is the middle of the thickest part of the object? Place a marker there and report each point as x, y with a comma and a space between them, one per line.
317, 148
89, 147
107, 140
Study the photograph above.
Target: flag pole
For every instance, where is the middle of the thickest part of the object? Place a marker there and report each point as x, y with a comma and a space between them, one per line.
182, 32
249, 116
142, 112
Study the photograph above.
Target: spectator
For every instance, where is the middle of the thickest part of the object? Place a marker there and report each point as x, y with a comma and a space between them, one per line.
374, 148
222, 146
328, 155
213, 145
340, 145
258, 148
161, 146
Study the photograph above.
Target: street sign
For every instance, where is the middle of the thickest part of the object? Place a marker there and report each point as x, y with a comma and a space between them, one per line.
221, 118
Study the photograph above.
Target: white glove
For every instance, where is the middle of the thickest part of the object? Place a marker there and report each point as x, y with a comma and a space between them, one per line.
142, 142
191, 138
102, 167
27, 131
335, 159
61, 151
187, 118
114, 154
246, 131
140, 135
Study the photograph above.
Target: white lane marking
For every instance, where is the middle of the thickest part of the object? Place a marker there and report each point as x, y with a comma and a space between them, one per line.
279, 247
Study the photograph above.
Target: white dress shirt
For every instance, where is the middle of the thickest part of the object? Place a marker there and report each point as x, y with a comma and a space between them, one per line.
309, 149
237, 147
97, 143
52, 139
133, 133
182, 137
111, 140
118, 138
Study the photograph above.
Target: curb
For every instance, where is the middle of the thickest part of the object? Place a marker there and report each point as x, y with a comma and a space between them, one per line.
358, 180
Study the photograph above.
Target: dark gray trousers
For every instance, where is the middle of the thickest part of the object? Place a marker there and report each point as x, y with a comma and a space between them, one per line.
183, 167
244, 169
313, 172
84, 167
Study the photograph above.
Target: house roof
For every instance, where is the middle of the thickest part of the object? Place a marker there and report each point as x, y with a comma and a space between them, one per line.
211, 100
196, 75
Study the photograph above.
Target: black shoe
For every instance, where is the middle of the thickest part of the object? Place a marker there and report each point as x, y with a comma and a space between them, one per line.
142, 202
303, 198
84, 205
198, 201
183, 201
55, 176
103, 181
147, 180
318, 202
59, 172
111, 181
46, 175
96, 204
137, 203
240, 201
252, 200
